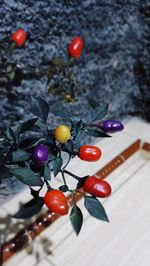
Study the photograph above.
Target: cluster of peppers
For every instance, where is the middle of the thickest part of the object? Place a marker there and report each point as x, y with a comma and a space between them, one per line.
55, 199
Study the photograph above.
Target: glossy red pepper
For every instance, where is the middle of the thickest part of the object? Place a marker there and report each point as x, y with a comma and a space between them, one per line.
96, 187
75, 47
89, 153
56, 202
19, 37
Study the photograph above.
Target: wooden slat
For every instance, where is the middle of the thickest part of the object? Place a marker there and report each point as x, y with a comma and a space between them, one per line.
118, 160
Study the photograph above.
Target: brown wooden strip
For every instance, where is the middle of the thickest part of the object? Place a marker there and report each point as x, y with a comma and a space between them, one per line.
131, 150
118, 160
146, 146
30, 232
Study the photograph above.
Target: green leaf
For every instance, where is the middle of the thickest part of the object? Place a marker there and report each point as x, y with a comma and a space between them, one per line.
27, 124
29, 209
40, 108
5, 155
11, 133
11, 75
27, 176
69, 146
2, 155
58, 63
99, 112
76, 125
63, 188
93, 103
76, 218
56, 67
57, 165
80, 137
55, 89
5, 173
59, 110
95, 208
35, 193
27, 142
20, 156
97, 133
47, 173
81, 182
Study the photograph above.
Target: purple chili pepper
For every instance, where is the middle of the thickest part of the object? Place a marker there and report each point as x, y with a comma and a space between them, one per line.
40, 155
111, 126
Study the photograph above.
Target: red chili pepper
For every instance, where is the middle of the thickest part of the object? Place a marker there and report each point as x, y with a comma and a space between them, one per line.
56, 202
89, 153
19, 37
75, 47
96, 187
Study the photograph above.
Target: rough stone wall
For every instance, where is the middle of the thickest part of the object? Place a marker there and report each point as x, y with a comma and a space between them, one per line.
114, 66
116, 35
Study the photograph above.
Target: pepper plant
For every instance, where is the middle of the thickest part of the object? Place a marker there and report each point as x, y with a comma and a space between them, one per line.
61, 81
32, 151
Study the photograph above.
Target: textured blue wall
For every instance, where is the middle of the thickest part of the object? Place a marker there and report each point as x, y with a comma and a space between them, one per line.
115, 63
116, 35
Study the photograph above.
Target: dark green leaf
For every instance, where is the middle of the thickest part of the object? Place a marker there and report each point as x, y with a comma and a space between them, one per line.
97, 133
99, 112
5, 155
57, 165
2, 140
55, 88
58, 63
94, 103
18, 77
69, 146
11, 132
59, 110
56, 67
5, 173
80, 137
76, 218
63, 188
20, 156
36, 128
47, 173
35, 193
27, 143
50, 140
76, 126
2, 155
52, 157
29, 209
95, 208
27, 124
40, 108
81, 182
27, 176
11, 75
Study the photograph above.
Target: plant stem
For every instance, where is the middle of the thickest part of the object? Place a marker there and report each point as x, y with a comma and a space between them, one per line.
67, 162
93, 125
63, 177
48, 185
69, 173
74, 198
